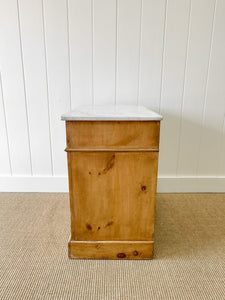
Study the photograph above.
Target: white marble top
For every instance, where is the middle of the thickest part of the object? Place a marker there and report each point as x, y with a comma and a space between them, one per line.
111, 113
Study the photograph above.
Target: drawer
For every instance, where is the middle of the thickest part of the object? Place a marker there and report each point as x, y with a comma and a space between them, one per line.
112, 134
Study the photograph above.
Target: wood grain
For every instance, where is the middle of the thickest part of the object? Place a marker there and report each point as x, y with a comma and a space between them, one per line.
71, 193
114, 195
111, 250
106, 134
112, 192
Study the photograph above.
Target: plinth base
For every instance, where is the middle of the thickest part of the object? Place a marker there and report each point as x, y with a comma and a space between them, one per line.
111, 249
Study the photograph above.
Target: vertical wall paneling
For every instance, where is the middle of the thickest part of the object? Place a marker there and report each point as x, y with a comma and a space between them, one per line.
128, 49
201, 27
221, 170
168, 55
175, 55
5, 164
81, 47
151, 50
104, 50
210, 151
33, 51
13, 87
56, 47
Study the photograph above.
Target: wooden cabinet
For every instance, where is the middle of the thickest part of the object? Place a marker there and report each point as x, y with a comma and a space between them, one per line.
112, 167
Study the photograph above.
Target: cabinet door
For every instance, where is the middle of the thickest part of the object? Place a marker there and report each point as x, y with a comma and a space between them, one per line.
112, 195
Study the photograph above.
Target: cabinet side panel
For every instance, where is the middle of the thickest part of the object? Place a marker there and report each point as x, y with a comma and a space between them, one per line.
113, 194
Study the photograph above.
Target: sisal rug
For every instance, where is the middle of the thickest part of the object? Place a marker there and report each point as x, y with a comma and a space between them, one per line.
188, 264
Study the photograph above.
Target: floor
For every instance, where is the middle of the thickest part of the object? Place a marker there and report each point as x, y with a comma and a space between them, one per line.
188, 264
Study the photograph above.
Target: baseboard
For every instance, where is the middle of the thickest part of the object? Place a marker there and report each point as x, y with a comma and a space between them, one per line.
59, 184
45, 184
191, 185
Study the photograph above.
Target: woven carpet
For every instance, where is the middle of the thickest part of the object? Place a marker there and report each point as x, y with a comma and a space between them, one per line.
188, 263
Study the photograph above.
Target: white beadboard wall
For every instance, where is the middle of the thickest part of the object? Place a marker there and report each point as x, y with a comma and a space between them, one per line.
168, 55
